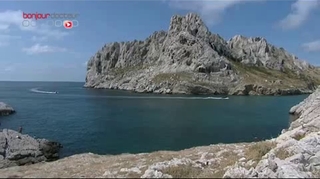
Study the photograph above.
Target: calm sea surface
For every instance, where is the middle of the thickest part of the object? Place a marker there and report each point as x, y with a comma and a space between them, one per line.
113, 122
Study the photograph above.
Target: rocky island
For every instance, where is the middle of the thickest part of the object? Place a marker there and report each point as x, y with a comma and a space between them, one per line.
189, 59
293, 154
5, 109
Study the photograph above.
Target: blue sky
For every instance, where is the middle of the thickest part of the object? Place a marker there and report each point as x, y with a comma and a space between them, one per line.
44, 53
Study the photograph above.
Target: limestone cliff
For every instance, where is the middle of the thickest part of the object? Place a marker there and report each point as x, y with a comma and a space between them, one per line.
294, 154
188, 58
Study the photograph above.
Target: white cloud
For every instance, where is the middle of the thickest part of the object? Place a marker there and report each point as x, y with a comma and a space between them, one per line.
300, 11
8, 69
4, 27
46, 31
38, 49
39, 39
6, 39
211, 11
10, 19
312, 46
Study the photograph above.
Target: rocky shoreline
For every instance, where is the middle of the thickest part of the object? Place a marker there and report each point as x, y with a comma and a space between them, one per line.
189, 59
293, 154
296, 152
20, 149
245, 90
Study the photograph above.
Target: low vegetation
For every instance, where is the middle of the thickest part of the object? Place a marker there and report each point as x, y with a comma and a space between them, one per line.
172, 77
299, 136
282, 153
228, 158
268, 77
124, 70
316, 174
257, 150
182, 171
217, 174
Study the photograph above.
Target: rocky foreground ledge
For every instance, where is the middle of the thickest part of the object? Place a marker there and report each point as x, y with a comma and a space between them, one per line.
5, 109
294, 154
18, 149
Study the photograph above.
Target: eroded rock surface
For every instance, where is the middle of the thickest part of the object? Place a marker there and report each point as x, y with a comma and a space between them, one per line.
188, 58
18, 149
297, 151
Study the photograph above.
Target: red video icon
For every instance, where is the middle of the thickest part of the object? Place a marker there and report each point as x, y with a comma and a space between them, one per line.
68, 24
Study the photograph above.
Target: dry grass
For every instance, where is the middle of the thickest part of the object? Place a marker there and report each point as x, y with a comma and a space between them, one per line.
14, 176
299, 136
182, 171
229, 158
218, 174
92, 166
259, 75
124, 70
282, 153
316, 174
257, 150
202, 83
160, 156
172, 77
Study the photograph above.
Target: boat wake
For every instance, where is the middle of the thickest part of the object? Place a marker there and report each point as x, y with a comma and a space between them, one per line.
217, 98
36, 90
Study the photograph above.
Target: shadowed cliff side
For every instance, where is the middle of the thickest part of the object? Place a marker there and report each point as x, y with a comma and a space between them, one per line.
188, 58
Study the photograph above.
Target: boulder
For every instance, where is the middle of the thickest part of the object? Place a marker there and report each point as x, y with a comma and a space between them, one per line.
20, 149
5, 109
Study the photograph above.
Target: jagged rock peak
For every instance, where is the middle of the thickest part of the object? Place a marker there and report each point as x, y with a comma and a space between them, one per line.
249, 39
157, 34
191, 23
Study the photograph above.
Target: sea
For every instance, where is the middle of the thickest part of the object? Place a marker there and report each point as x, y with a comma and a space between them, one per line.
113, 122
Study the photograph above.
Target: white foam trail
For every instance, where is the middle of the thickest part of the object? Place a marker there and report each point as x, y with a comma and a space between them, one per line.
35, 90
217, 98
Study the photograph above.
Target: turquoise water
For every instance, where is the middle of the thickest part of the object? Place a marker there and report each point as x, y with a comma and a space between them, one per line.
113, 122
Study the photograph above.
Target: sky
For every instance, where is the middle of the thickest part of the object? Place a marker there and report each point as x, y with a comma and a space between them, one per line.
44, 52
